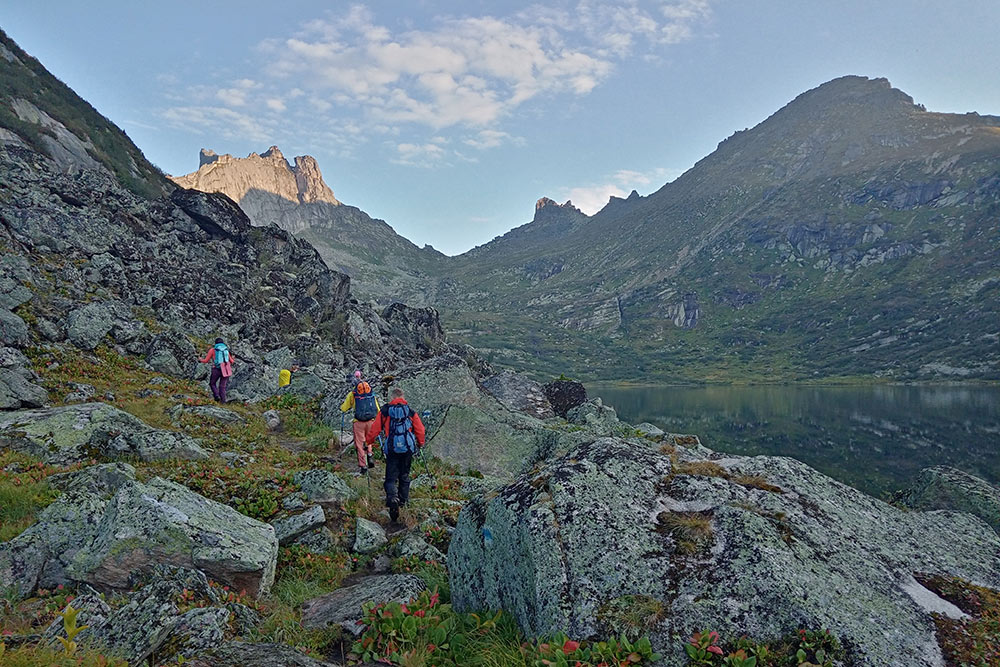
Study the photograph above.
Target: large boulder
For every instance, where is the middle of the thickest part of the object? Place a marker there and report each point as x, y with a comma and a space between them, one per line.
519, 393
13, 330
89, 324
214, 212
17, 382
343, 606
565, 395
368, 536
171, 353
438, 382
322, 486
110, 541
758, 546
598, 418
74, 433
150, 622
947, 488
290, 527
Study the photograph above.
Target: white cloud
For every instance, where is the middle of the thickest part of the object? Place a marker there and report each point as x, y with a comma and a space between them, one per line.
236, 96
487, 139
419, 155
217, 121
463, 74
465, 71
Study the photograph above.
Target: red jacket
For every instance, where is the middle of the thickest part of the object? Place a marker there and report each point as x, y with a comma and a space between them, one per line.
381, 423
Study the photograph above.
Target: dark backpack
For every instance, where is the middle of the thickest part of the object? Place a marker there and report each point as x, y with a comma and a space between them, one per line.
364, 402
401, 439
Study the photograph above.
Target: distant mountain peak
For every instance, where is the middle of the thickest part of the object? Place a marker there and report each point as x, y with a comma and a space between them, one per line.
548, 210
268, 172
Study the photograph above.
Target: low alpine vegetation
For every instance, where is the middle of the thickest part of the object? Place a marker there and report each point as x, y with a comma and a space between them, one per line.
805, 648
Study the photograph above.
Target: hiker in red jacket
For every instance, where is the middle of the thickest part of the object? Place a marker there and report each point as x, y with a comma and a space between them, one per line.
403, 434
222, 368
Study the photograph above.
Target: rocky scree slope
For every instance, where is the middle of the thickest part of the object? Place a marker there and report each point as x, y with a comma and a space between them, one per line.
383, 265
851, 233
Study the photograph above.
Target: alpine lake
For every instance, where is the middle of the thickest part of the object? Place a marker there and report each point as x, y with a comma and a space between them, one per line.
874, 438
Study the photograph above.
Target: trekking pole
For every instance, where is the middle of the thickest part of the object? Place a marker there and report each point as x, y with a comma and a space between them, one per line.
424, 416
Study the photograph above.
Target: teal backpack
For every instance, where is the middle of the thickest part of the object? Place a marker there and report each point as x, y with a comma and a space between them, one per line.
221, 354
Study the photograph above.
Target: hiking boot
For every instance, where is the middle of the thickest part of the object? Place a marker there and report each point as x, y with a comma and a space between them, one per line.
394, 512
362, 470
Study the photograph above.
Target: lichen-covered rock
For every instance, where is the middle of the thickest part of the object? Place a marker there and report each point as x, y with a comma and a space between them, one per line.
170, 352
197, 631
368, 536
318, 541
137, 629
288, 528
323, 486
74, 433
649, 430
111, 541
343, 607
564, 395
18, 388
414, 545
305, 384
164, 522
437, 382
93, 612
13, 330
87, 326
103, 479
519, 393
718, 547
947, 488
246, 654
39, 556
273, 419
599, 418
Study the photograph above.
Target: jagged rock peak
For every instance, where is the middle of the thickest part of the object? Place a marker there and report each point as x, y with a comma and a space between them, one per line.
267, 172
633, 196
207, 156
548, 209
545, 201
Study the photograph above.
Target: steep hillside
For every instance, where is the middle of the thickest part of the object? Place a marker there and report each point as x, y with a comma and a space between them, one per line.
384, 265
851, 233
88, 262
40, 111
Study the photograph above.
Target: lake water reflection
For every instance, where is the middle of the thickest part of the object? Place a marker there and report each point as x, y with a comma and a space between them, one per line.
873, 438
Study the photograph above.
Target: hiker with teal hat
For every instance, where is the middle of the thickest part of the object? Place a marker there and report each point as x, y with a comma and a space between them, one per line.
222, 368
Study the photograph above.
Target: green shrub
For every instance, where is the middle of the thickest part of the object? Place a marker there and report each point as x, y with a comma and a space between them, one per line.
427, 631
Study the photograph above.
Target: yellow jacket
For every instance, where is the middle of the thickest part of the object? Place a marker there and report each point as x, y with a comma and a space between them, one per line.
348, 403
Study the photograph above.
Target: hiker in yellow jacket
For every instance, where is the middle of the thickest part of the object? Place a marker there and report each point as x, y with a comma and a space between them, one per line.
362, 400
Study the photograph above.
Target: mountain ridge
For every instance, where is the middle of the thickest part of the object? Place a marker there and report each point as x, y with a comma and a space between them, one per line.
744, 267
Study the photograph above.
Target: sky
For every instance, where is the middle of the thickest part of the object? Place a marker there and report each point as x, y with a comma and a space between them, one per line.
449, 119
